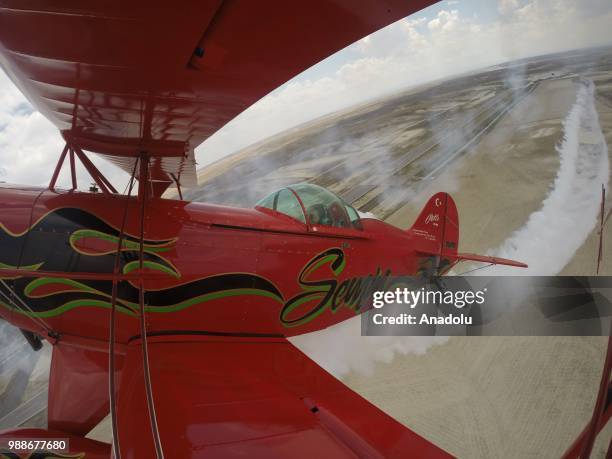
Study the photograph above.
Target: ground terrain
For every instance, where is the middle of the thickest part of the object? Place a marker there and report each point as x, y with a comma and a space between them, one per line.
490, 138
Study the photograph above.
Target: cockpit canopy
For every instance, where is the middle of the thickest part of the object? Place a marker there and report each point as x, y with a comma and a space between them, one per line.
313, 205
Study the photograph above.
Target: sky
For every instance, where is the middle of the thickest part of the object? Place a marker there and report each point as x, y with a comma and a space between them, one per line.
448, 38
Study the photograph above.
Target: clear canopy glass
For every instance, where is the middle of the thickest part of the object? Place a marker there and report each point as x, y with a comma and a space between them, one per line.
312, 204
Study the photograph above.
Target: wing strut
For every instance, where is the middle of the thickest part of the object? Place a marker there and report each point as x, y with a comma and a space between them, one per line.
602, 412
601, 226
103, 183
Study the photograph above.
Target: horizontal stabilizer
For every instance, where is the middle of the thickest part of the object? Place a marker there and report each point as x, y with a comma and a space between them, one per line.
457, 257
486, 259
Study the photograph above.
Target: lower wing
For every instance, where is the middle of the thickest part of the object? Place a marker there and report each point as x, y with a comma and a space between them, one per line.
250, 397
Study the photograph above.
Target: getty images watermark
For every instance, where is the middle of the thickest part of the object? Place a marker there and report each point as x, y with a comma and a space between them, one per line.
414, 298
490, 305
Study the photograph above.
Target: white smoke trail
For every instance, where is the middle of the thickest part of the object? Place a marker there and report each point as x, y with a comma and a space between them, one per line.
551, 236
341, 349
23, 371
546, 242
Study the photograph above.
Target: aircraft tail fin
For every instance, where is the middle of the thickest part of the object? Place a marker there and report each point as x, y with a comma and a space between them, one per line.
436, 234
436, 229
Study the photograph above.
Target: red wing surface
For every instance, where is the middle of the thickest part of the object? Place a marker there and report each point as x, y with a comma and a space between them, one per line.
120, 77
225, 397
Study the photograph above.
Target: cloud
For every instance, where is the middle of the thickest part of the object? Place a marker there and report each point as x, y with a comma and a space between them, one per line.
412, 51
507, 6
446, 21
30, 145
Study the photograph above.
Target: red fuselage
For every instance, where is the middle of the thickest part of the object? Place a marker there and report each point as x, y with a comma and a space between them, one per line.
211, 268
222, 289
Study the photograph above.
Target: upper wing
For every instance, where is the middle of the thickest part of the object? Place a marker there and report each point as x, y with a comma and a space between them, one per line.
251, 397
119, 77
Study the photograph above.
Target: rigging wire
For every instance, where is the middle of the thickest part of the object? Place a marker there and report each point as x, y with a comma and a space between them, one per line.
130, 183
37, 320
143, 187
111, 346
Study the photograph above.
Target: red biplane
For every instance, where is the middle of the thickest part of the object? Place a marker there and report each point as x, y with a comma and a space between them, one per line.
174, 316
